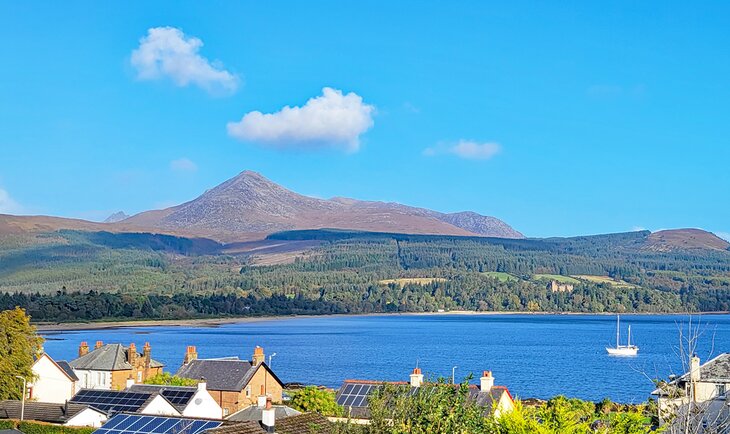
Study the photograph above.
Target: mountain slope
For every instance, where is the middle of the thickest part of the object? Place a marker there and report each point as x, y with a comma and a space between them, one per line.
250, 203
685, 239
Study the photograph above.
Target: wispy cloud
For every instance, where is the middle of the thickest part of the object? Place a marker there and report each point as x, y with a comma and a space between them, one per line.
168, 52
332, 120
8, 205
466, 149
183, 165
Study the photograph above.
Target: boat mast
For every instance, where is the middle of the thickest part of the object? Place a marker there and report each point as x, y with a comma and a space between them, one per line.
628, 344
618, 320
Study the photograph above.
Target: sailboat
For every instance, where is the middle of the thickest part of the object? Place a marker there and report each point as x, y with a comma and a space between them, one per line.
622, 350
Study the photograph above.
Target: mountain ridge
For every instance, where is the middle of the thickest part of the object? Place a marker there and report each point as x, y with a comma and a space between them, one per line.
250, 203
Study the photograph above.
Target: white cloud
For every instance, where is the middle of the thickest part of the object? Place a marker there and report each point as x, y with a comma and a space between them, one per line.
467, 149
183, 165
8, 205
332, 120
168, 52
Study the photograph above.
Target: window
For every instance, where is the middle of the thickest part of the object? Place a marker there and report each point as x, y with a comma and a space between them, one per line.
100, 378
720, 388
248, 391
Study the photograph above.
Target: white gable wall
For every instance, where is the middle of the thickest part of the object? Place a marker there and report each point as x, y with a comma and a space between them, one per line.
203, 405
161, 407
51, 384
88, 417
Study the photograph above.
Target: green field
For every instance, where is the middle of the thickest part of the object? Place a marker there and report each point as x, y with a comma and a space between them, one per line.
605, 279
556, 277
501, 276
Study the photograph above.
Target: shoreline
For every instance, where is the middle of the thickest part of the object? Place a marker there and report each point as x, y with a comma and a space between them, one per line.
215, 322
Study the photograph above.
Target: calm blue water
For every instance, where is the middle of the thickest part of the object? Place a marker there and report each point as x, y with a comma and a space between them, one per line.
534, 355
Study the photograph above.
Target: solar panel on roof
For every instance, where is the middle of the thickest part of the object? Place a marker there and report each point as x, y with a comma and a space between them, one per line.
139, 424
110, 400
355, 395
178, 397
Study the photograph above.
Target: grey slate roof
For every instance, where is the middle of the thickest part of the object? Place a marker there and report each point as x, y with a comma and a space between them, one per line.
110, 357
222, 374
254, 413
306, 423
67, 369
717, 369
40, 411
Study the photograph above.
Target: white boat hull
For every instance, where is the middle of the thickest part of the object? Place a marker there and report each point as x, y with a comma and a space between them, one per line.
623, 351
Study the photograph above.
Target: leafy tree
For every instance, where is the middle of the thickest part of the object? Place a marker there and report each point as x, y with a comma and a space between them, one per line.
314, 399
168, 379
20, 345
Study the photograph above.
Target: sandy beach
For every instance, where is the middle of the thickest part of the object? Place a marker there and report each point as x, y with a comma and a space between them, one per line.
214, 322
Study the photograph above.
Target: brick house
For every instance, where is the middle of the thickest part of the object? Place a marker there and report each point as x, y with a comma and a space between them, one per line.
235, 384
109, 366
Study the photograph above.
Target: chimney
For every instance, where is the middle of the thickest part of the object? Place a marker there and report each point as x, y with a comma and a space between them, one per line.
147, 352
694, 369
83, 349
132, 354
416, 378
190, 354
130, 382
98, 345
261, 401
202, 384
258, 356
268, 417
486, 382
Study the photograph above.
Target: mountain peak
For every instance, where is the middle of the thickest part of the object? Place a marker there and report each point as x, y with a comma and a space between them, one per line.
250, 203
116, 217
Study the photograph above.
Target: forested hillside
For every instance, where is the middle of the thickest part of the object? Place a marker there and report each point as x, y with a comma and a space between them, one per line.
70, 275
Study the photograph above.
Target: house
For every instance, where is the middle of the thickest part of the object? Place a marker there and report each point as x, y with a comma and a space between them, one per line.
141, 424
306, 423
53, 381
62, 414
123, 401
256, 412
353, 394
233, 383
109, 366
189, 401
703, 384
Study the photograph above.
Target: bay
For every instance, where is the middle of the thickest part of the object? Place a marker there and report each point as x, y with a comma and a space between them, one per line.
533, 355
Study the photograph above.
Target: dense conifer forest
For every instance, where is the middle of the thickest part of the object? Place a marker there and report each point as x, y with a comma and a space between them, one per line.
69, 275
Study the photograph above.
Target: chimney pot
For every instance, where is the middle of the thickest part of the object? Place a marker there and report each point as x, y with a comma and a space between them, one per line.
486, 382
258, 356
83, 349
416, 378
190, 354
202, 384
98, 345
268, 417
694, 371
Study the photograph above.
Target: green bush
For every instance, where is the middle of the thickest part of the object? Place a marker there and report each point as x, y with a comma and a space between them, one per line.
30, 427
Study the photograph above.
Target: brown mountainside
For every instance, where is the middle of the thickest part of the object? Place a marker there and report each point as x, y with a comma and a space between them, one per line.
685, 239
250, 203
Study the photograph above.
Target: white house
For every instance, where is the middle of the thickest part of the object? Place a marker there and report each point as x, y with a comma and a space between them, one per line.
54, 381
703, 384
62, 414
188, 401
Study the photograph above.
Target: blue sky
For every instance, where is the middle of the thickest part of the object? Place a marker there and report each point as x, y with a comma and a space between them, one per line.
561, 119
